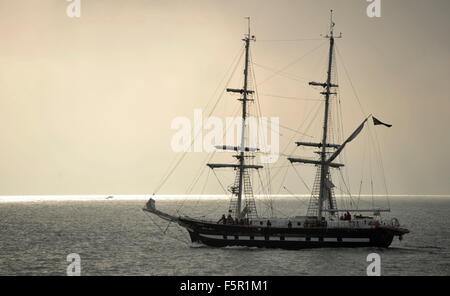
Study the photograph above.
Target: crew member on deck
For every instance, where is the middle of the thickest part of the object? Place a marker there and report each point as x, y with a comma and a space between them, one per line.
222, 220
230, 219
349, 216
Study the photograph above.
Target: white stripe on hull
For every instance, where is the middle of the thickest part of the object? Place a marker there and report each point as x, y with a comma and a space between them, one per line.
288, 238
356, 240
295, 239
330, 239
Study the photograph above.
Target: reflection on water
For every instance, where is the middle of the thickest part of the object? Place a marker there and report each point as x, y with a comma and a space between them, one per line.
118, 238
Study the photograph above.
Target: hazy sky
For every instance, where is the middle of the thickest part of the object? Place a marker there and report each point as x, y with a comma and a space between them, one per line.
86, 103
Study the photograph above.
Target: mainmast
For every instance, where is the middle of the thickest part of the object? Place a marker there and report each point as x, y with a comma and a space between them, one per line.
324, 166
323, 186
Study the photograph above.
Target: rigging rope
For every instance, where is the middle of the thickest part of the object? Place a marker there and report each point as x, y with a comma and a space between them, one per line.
351, 83
202, 168
300, 177
164, 232
289, 40
304, 202
259, 113
282, 73
171, 171
378, 150
290, 98
292, 63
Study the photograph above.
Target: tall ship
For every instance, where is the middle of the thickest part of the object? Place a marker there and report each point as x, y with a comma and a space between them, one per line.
323, 225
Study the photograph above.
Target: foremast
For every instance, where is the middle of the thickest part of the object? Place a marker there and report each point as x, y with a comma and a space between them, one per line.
242, 155
242, 187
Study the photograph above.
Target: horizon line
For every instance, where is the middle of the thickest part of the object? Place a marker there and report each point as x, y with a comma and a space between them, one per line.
138, 197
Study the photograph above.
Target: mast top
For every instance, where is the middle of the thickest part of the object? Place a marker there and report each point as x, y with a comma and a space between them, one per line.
248, 36
332, 24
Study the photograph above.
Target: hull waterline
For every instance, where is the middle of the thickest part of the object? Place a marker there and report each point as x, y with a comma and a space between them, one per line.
216, 235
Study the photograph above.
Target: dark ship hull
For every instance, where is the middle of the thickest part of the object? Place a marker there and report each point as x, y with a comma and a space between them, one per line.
220, 235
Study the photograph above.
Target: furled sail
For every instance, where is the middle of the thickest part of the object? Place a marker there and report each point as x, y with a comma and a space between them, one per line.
316, 162
319, 145
236, 148
349, 139
235, 166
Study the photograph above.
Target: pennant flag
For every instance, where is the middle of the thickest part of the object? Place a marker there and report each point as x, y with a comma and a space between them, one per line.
378, 122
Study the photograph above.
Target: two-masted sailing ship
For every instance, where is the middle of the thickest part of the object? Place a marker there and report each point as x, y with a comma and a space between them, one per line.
324, 225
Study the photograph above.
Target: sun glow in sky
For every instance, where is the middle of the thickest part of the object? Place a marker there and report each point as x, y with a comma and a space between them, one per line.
86, 104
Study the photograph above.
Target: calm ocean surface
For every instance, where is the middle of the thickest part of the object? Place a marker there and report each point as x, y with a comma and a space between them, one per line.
118, 238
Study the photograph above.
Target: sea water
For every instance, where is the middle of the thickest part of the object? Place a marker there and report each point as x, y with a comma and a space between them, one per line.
117, 238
